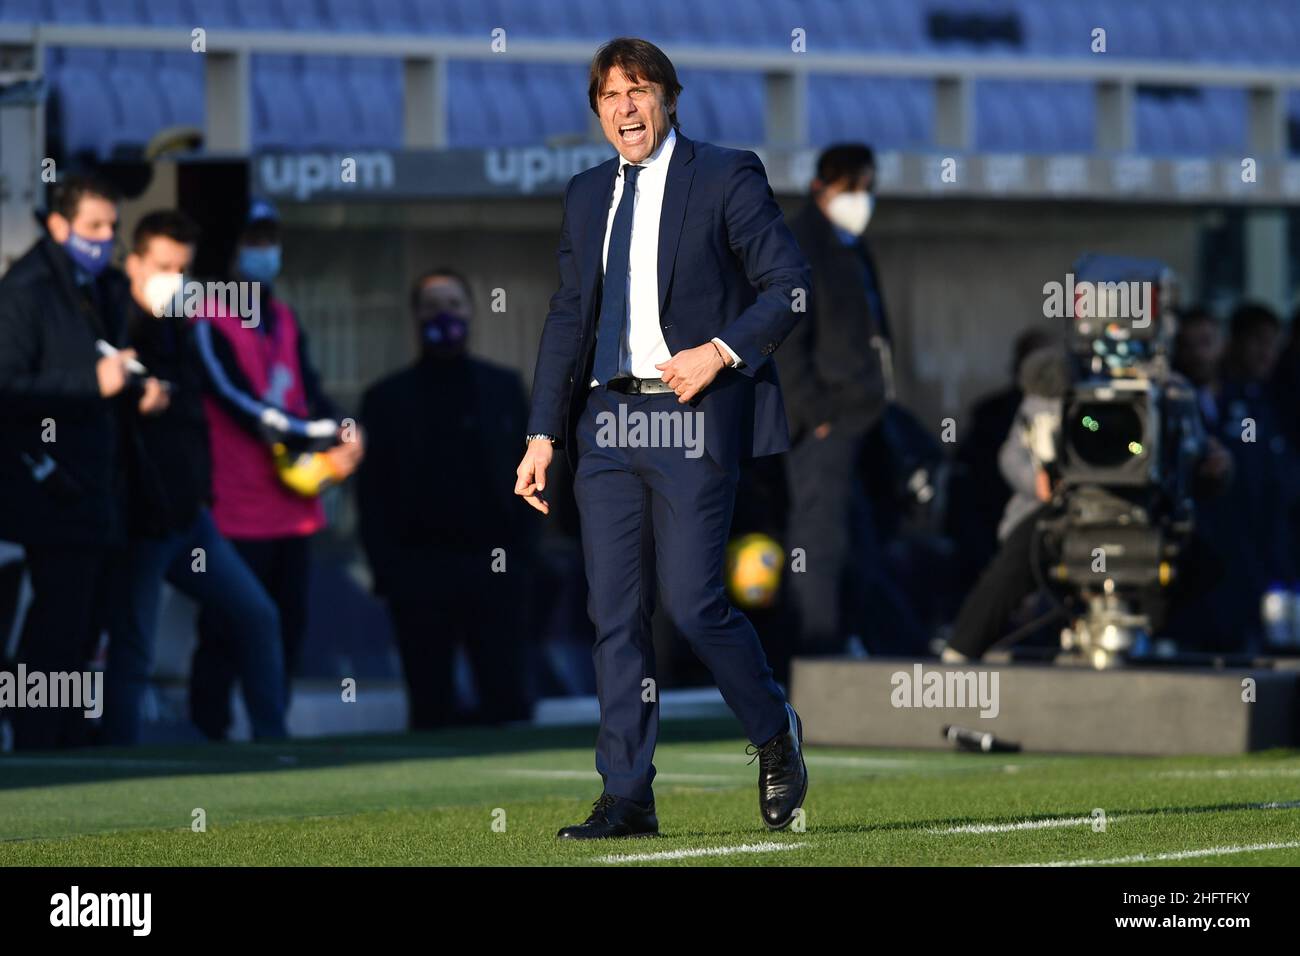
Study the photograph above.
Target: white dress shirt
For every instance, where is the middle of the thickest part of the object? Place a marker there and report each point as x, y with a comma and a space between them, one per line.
644, 346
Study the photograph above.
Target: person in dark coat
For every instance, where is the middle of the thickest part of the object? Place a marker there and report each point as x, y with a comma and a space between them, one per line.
449, 549
833, 376
67, 441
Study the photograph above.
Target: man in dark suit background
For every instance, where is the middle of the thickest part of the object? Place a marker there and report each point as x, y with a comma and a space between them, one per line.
433, 512
678, 280
834, 376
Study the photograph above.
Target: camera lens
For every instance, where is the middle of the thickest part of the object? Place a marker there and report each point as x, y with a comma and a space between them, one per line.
1105, 435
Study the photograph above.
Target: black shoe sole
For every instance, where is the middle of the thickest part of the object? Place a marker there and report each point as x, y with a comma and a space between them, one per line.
625, 836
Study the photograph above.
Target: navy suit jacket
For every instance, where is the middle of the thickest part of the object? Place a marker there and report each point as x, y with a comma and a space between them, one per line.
728, 267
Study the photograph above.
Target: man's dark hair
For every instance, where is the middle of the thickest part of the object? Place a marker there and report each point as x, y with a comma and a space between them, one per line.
640, 60
844, 161
69, 190
1027, 342
1251, 317
441, 272
169, 223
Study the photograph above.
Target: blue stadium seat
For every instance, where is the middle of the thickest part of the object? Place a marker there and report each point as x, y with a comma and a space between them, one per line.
118, 12
87, 110
350, 16
209, 14
496, 91
71, 11
280, 116
334, 119
141, 108
558, 95
180, 79
468, 124
260, 14
394, 16
21, 11
374, 87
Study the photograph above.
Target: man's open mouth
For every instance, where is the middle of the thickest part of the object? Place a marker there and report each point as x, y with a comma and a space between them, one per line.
630, 132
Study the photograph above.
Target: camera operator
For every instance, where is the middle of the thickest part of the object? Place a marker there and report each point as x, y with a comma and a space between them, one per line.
1026, 463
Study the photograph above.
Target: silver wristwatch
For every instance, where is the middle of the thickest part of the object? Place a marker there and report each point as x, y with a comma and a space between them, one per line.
549, 438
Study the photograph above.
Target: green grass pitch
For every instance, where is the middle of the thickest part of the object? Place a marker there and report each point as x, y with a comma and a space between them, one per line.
496, 797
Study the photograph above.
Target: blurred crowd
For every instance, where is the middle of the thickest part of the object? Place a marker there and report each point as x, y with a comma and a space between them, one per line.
151, 433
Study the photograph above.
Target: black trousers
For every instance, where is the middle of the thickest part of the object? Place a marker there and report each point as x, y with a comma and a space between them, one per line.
845, 586
1000, 590
282, 565
69, 610
484, 611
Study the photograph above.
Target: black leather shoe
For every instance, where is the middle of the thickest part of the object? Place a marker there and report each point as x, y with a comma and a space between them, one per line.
782, 774
613, 816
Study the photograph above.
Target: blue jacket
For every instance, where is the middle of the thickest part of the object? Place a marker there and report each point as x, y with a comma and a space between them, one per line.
728, 267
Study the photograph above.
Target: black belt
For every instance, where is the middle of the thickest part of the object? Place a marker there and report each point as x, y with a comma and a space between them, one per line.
632, 385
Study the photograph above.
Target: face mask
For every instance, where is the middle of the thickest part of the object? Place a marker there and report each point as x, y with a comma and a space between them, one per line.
90, 254
259, 263
443, 334
851, 211
162, 292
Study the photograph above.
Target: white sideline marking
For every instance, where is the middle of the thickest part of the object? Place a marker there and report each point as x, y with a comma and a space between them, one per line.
588, 774
1083, 821
1180, 855
1013, 827
708, 851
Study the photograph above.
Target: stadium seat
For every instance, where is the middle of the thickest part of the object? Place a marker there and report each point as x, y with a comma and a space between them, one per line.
393, 16
259, 15
86, 108
334, 119
180, 77
280, 117
142, 110
205, 13
374, 86
71, 11
22, 11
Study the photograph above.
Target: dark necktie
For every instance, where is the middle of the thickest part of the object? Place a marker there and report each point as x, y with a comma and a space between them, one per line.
613, 305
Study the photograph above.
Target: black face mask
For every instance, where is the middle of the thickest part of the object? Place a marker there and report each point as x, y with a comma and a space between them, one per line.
443, 335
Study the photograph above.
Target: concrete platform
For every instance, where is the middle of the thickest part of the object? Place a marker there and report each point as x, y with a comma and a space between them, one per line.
1160, 710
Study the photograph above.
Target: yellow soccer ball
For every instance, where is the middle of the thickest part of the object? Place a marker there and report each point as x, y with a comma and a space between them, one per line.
754, 570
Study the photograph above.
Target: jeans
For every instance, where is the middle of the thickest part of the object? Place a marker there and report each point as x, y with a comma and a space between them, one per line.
282, 567
224, 587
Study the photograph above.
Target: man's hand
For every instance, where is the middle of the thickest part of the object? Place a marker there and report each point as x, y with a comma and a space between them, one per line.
345, 457
822, 430
112, 373
690, 371
1042, 485
155, 399
532, 473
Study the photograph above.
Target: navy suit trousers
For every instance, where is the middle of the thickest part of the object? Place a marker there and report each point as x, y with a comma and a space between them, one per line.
655, 522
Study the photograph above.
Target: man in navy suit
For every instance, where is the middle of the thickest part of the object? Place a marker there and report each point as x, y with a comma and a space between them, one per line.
678, 280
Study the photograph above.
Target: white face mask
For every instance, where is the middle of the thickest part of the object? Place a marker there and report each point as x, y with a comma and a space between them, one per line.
161, 289
851, 211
